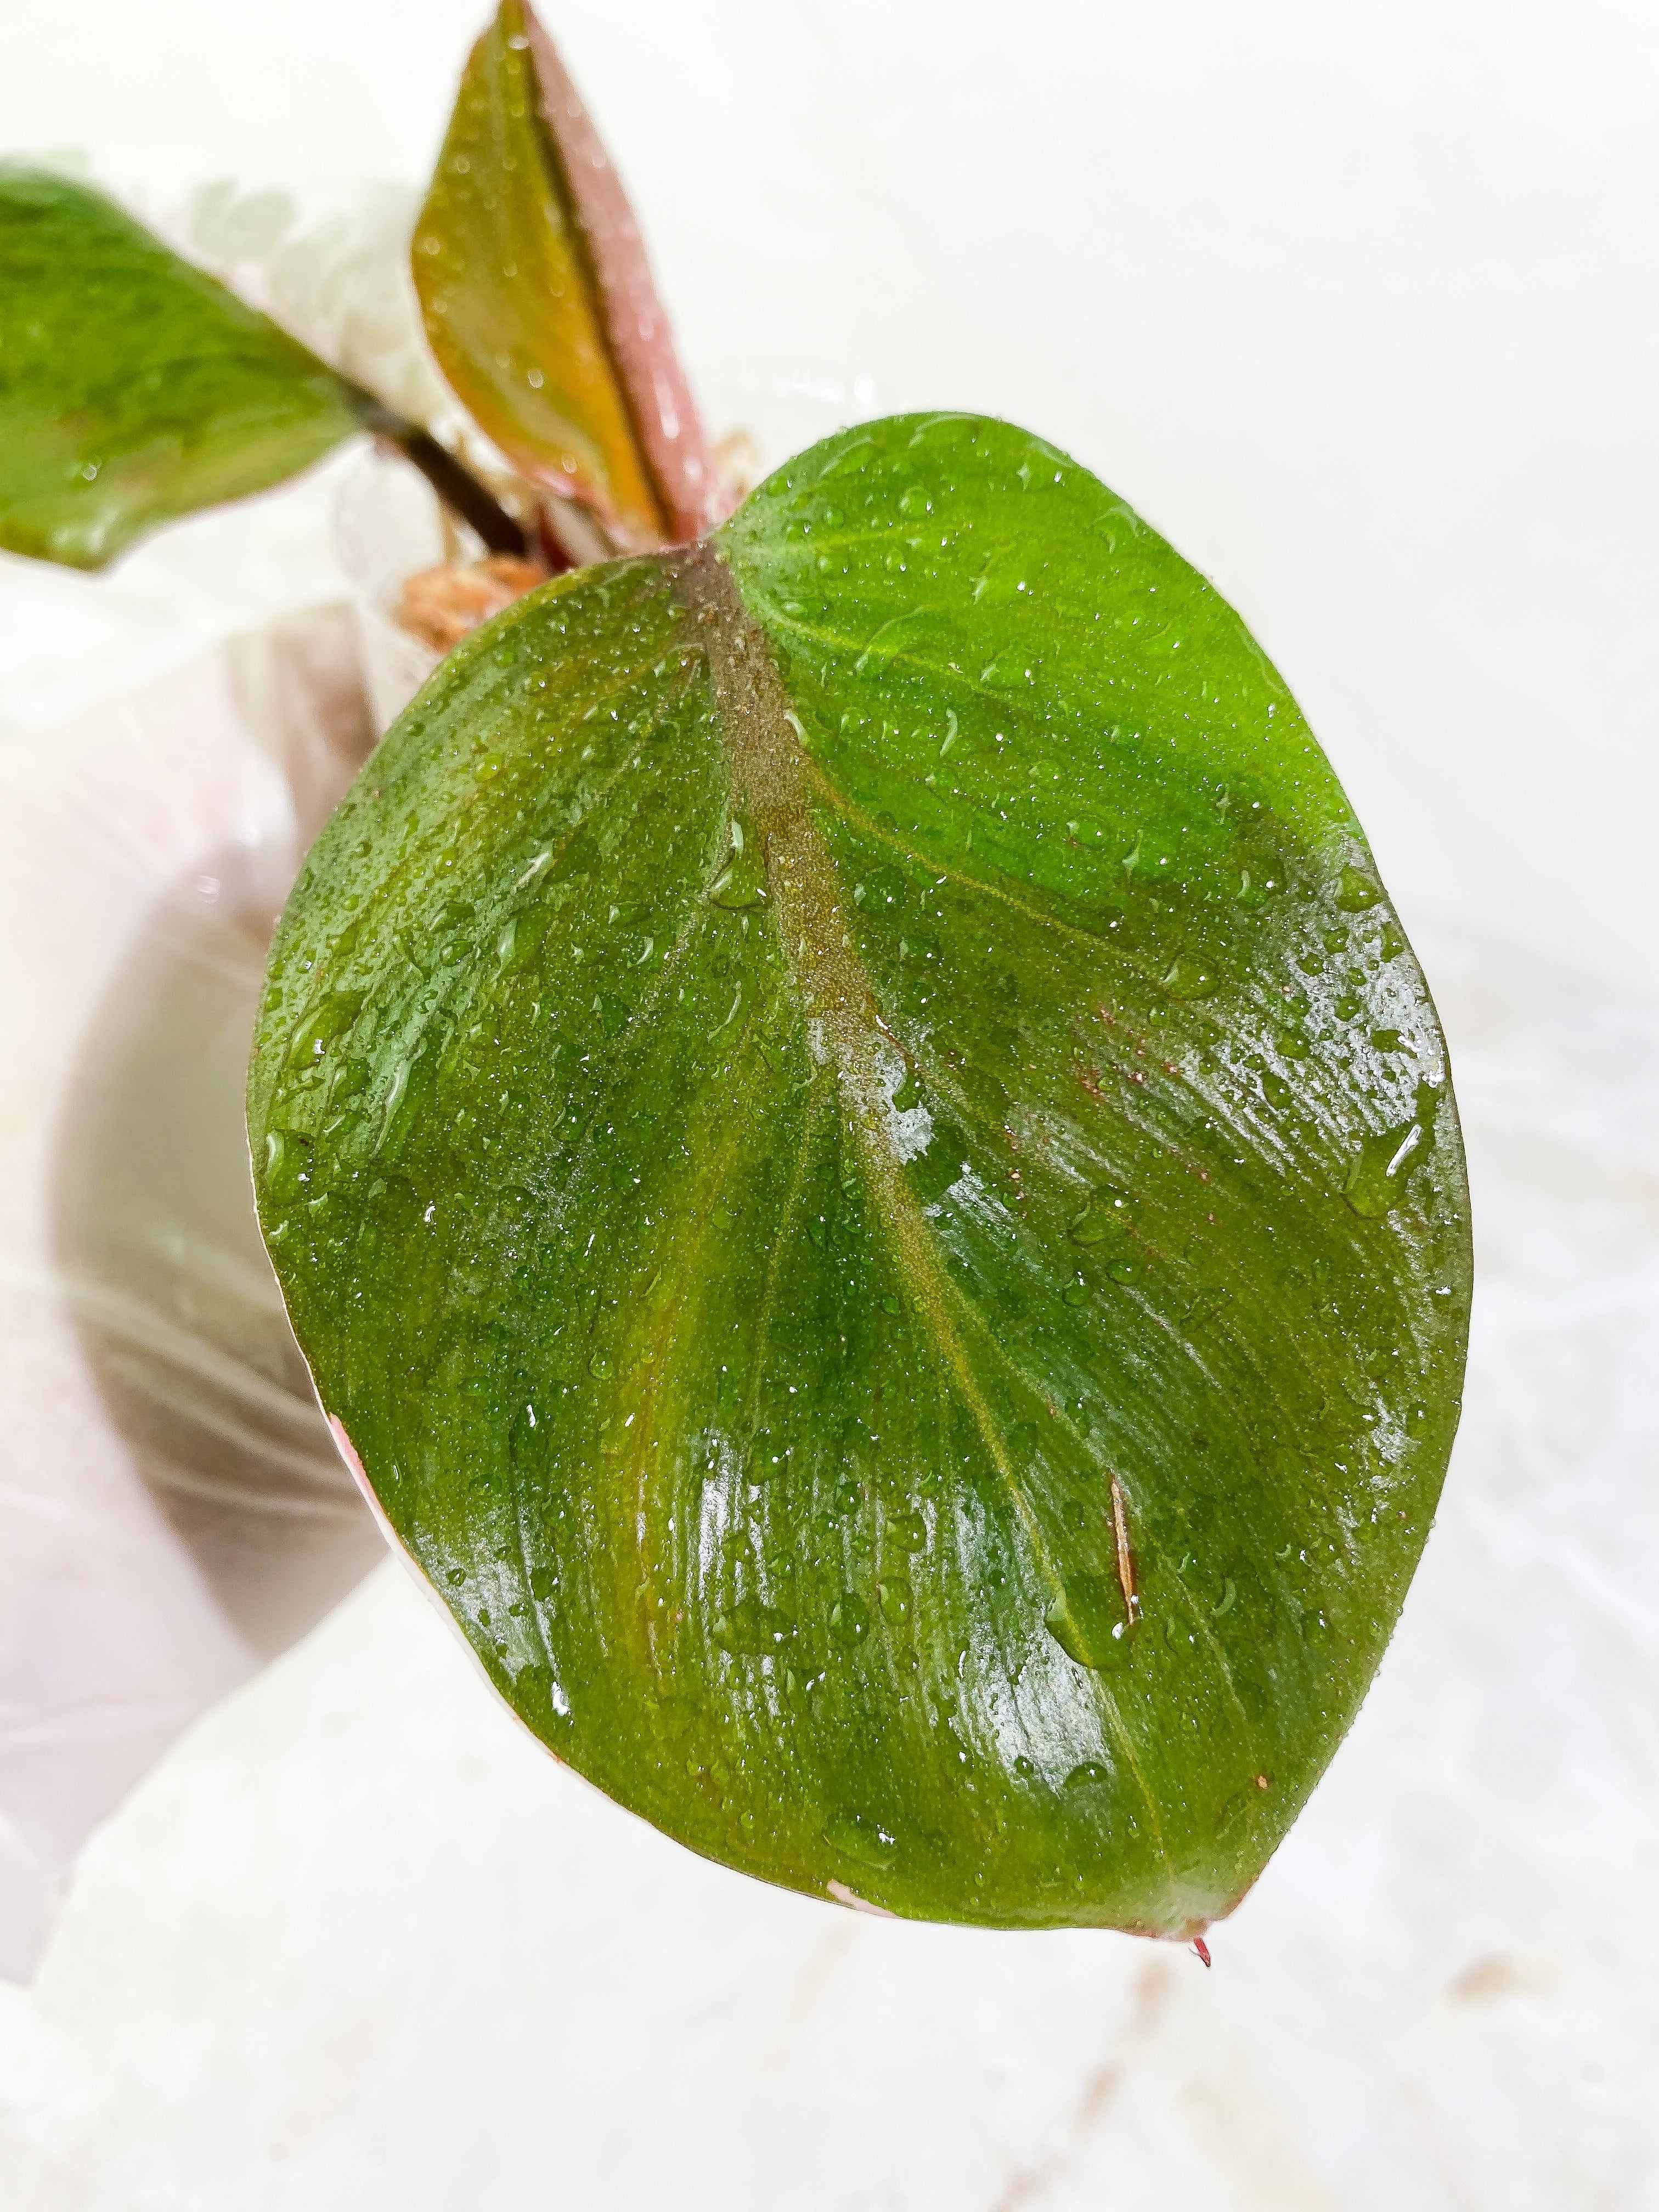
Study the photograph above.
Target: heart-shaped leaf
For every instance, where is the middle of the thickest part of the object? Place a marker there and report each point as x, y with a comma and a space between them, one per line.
538, 301
133, 387
853, 1141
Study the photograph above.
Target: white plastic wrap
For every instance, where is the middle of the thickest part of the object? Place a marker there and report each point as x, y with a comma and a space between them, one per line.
388, 525
172, 1509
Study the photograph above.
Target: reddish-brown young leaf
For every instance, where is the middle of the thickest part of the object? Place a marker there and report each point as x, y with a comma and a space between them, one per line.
539, 300
665, 415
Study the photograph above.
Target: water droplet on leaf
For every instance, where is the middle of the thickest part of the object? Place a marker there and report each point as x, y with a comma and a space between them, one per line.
1377, 1180
741, 884
1355, 892
753, 1630
1089, 1621
849, 1618
861, 1838
1191, 978
1087, 1774
898, 1601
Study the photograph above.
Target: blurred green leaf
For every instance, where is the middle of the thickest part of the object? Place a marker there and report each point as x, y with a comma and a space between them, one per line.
819, 1113
538, 302
134, 388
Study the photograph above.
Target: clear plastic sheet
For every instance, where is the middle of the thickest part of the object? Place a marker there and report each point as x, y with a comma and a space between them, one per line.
172, 1509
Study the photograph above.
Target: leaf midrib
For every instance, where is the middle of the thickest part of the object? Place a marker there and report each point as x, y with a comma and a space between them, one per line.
769, 771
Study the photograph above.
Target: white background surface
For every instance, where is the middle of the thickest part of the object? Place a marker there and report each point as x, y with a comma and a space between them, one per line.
1358, 306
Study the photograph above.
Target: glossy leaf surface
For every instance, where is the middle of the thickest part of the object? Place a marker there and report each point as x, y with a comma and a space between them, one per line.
538, 302
134, 388
852, 1139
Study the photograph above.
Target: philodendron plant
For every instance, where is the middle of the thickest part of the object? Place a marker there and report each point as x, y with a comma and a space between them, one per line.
865, 1170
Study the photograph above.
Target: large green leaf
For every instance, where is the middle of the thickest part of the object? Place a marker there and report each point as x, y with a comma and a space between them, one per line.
853, 1143
133, 387
538, 301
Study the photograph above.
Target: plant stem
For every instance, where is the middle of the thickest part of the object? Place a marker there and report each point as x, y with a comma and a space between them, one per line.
457, 488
